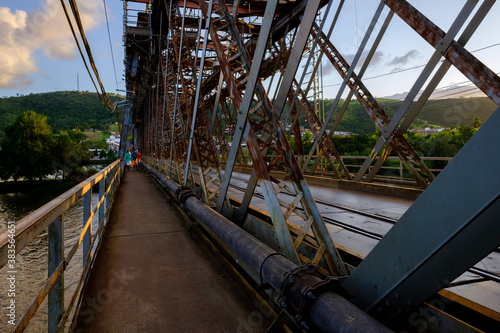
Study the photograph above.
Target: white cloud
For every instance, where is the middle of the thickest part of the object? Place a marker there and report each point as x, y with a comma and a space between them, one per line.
404, 59
43, 28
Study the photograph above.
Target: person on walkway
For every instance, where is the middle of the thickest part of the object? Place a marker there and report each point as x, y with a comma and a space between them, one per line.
134, 160
128, 159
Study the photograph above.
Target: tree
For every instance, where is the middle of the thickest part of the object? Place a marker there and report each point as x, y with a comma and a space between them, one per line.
26, 148
477, 122
70, 152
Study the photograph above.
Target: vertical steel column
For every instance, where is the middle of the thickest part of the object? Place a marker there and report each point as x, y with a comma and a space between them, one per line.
56, 256
241, 124
176, 101
87, 214
216, 103
444, 44
311, 53
374, 20
286, 83
197, 96
296, 54
102, 184
102, 200
332, 26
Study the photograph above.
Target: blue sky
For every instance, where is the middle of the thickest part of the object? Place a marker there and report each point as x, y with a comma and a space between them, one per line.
38, 53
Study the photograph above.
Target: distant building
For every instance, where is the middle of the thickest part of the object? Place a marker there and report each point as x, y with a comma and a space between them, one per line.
114, 142
427, 130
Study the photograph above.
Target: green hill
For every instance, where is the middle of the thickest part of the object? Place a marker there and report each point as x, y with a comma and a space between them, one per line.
64, 109
70, 109
449, 113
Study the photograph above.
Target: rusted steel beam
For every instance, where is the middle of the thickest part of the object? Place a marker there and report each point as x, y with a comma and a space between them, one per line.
477, 72
418, 169
204, 147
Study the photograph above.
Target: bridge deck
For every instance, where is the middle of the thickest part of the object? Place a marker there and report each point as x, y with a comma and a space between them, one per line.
153, 274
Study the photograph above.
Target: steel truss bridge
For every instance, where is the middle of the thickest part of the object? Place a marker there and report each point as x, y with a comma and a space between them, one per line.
207, 85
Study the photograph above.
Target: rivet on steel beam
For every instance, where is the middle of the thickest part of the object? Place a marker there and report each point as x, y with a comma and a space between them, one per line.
387, 303
397, 296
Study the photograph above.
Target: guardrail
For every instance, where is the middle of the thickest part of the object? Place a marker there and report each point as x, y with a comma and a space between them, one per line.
399, 168
14, 239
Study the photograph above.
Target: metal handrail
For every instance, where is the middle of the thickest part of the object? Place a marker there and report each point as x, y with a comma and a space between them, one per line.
401, 167
51, 216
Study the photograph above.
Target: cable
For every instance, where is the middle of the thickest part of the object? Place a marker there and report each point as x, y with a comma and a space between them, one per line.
356, 21
78, 20
411, 68
81, 52
110, 45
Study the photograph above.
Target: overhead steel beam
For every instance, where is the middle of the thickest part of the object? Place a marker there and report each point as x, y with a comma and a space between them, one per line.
445, 232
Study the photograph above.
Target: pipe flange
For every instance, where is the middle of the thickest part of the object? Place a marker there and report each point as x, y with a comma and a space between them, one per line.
183, 193
300, 289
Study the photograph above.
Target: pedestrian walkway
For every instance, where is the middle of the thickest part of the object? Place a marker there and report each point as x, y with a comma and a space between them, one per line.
153, 274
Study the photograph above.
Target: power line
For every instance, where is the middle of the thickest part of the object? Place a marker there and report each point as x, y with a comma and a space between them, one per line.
110, 45
411, 68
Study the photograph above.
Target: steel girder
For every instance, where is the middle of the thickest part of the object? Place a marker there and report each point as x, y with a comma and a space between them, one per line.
410, 262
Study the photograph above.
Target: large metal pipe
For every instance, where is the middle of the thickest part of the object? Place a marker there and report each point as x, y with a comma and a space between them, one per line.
329, 312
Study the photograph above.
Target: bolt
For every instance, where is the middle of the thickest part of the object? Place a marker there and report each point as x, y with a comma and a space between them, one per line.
400, 311
387, 303
290, 279
311, 295
397, 296
304, 325
283, 305
410, 302
379, 309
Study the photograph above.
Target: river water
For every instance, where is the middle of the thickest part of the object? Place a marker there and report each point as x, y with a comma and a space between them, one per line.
31, 264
